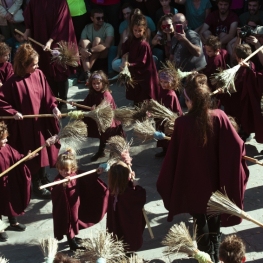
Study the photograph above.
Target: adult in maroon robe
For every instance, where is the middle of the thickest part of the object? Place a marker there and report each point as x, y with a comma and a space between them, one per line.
47, 20
190, 173
81, 204
125, 218
168, 98
30, 95
15, 185
6, 71
143, 71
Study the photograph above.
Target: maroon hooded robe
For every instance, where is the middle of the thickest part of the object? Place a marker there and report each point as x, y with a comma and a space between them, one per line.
125, 218
143, 71
168, 98
6, 71
191, 172
30, 95
80, 205
95, 98
15, 185
50, 19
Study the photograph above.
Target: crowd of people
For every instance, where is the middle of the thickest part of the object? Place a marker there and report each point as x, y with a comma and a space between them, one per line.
200, 37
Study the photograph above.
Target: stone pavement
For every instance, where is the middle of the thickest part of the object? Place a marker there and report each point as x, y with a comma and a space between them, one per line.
22, 247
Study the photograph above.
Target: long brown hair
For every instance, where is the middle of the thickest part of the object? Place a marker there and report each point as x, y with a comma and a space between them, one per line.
198, 92
25, 55
118, 178
104, 80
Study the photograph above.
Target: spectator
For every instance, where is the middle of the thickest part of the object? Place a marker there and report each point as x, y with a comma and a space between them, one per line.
111, 10
164, 35
187, 49
58, 26
254, 12
96, 39
221, 23
165, 9
79, 15
14, 42
196, 12
7, 10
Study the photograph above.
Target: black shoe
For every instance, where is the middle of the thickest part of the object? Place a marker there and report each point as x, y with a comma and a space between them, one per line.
19, 227
74, 246
78, 240
96, 156
160, 154
3, 236
41, 194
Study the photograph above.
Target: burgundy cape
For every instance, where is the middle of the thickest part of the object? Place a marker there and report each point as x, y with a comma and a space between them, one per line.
245, 104
80, 205
191, 173
169, 99
125, 218
95, 98
143, 71
6, 71
214, 63
15, 185
30, 95
50, 19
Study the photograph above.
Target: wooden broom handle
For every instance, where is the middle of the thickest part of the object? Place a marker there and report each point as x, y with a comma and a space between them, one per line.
214, 92
31, 39
22, 160
167, 138
32, 116
252, 160
67, 180
253, 54
75, 104
249, 218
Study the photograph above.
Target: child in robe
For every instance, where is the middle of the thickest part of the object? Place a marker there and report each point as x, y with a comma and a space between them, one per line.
232, 250
168, 98
216, 58
6, 68
14, 185
99, 91
78, 203
126, 200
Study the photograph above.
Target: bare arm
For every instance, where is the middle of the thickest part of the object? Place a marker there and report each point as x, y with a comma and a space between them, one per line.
232, 31
103, 46
204, 28
180, 2
254, 41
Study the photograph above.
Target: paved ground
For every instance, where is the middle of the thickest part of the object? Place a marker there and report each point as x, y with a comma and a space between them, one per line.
23, 247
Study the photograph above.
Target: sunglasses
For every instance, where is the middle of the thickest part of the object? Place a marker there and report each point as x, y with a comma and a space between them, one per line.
168, 26
100, 18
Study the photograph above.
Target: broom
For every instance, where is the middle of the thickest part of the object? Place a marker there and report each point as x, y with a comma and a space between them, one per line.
49, 248
145, 130
169, 126
75, 130
179, 239
125, 78
74, 104
225, 79
65, 54
116, 145
102, 248
220, 203
3, 260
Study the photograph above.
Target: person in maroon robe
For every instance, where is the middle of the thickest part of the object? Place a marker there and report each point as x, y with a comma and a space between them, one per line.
138, 57
6, 68
27, 92
99, 91
77, 204
168, 98
198, 162
124, 215
58, 26
14, 186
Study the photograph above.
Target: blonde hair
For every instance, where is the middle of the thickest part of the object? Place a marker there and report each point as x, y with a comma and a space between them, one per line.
118, 178
25, 55
66, 159
4, 49
3, 130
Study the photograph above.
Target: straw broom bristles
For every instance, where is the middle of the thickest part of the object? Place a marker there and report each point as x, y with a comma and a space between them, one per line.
116, 145
65, 54
179, 239
49, 248
104, 246
220, 203
144, 130
125, 77
169, 126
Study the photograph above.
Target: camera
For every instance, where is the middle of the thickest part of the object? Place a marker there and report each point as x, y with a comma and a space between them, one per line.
247, 31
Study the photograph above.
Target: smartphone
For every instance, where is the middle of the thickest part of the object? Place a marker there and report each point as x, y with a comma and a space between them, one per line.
179, 28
